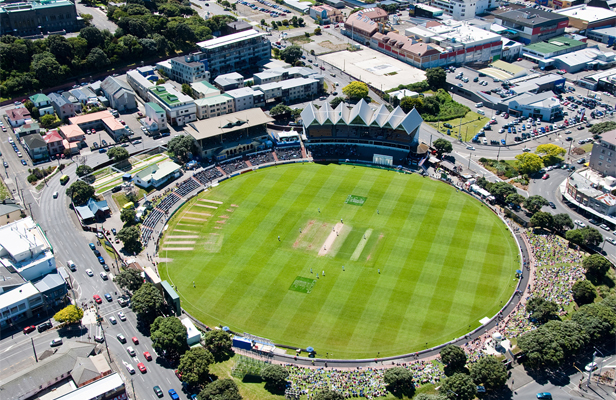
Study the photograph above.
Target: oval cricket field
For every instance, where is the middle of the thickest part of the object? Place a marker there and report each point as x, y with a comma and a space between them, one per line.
353, 261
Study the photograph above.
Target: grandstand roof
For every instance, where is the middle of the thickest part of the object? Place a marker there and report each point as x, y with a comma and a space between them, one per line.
362, 115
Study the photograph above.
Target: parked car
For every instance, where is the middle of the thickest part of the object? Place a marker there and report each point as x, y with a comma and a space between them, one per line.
173, 394
44, 326
121, 316
544, 396
29, 329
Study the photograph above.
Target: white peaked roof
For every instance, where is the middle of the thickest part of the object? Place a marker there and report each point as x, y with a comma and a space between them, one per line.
362, 115
380, 116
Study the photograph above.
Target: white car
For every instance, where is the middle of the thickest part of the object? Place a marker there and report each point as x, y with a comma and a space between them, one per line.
113, 320
104, 276
469, 147
580, 223
131, 351
611, 241
129, 367
591, 366
121, 316
604, 227
89, 272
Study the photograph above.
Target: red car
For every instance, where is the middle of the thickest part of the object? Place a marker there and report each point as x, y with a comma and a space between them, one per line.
97, 299
546, 176
323, 68
147, 355
29, 329
142, 368
135, 340
177, 373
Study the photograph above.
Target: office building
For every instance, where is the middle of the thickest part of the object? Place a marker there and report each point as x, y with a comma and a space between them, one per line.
325, 14
360, 26
179, 108
246, 98
186, 69
530, 25
29, 18
235, 53
289, 90
462, 10
585, 17
24, 248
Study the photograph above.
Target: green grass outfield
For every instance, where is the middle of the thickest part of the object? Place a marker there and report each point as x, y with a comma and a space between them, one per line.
445, 260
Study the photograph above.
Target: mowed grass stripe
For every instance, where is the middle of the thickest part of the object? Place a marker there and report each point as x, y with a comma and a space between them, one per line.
420, 221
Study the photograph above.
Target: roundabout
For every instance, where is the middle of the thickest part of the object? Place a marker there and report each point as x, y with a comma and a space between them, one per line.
356, 262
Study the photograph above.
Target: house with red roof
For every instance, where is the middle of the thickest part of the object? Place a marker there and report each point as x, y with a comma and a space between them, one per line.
54, 142
18, 116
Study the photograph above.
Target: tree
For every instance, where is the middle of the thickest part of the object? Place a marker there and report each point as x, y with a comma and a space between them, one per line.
541, 310
534, 203
317, 31
408, 103
336, 102
592, 237
83, 170
280, 109
35, 113
550, 344
69, 314
562, 222
584, 292
515, 198
489, 372
458, 387
529, 163
355, 90
399, 381
596, 267
186, 89
275, 377
80, 192
129, 235
219, 343
542, 219
147, 301
182, 146
575, 236
128, 215
129, 279
551, 153
454, 359
47, 120
597, 320
168, 334
222, 389
501, 190
97, 58
442, 146
117, 153
328, 395
436, 77
47, 69
195, 365
291, 54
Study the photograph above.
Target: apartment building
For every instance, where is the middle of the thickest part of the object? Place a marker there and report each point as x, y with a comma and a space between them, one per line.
462, 10
245, 98
186, 69
179, 108
237, 52
529, 25
289, 90
215, 106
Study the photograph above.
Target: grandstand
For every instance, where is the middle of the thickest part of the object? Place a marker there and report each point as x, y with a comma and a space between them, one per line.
364, 129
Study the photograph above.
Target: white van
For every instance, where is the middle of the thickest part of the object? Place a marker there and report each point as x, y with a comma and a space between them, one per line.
481, 112
479, 105
484, 141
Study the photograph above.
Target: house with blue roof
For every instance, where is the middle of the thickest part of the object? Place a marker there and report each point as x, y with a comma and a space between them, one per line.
93, 210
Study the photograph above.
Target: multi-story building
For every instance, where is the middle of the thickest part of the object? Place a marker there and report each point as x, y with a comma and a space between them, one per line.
18, 304
544, 106
186, 69
27, 18
139, 83
325, 14
229, 81
119, 93
100, 120
237, 52
281, 74
531, 25
18, 116
36, 147
55, 142
155, 118
214, 106
424, 11
24, 248
289, 90
9, 212
558, 4
551, 48
204, 89
591, 191
461, 9
63, 108
360, 26
179, 108
603, 157
246, 98
583, 17
42, 103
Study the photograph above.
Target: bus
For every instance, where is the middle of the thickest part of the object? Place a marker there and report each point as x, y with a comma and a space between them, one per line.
64, 179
